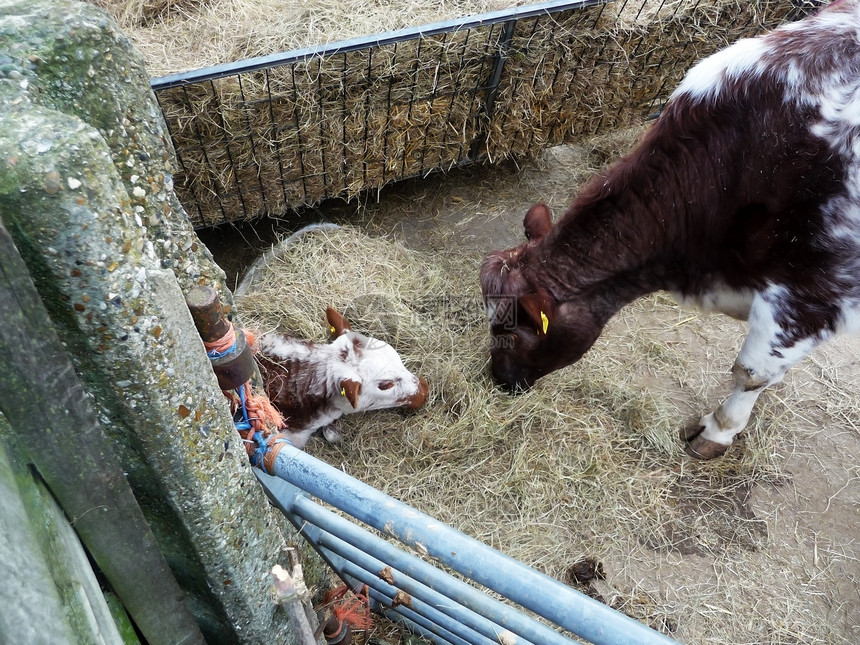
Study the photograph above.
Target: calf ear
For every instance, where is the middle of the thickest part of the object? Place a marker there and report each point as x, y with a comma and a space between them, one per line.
537, 222
350, 390
337, 323
540, 309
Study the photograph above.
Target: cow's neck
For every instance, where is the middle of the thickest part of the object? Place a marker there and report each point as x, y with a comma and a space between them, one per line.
624, 237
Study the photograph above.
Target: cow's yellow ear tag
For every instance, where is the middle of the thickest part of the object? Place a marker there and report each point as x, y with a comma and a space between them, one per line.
545, 321
343, 391
332, 329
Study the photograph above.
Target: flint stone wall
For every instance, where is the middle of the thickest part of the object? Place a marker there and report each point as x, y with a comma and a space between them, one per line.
87, 195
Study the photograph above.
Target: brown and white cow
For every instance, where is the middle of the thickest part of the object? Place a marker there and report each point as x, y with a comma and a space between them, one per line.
743, 197
314, 384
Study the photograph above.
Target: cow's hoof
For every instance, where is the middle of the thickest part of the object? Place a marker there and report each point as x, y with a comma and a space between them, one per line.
691, 431
332, 434
701, 448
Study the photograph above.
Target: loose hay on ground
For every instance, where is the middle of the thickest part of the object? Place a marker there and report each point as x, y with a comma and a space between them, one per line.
584, 465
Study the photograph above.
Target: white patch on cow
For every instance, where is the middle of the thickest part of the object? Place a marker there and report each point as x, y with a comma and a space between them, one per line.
722, 425
763, 361
706, 80
849, 319
286, 348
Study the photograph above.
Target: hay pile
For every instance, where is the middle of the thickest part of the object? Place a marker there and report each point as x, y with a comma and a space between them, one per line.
341, 124
586, 465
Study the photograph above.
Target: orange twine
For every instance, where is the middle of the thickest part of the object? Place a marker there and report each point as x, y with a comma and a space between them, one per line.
354, 609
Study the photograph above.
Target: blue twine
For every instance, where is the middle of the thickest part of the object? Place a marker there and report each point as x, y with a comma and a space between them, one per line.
263, 448
242, 421
245, 422
213, 354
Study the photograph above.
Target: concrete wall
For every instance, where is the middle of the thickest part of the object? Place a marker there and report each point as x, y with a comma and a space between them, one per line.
87, 196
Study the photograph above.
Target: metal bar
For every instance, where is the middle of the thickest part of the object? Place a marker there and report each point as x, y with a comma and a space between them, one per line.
499, 66
492, 88
300, 145
377, 40
460, 592
274, 135
322, 121
529, 588
412, 98
465, 634
338, 530
481, 629
435, 600
209, 167
352, 572
255, 158
416, 619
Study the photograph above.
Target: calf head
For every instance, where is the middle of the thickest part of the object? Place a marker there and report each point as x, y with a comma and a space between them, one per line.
371, 373
532, 333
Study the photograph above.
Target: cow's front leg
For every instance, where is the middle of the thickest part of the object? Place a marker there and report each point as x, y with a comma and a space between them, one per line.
714, 432
768, 352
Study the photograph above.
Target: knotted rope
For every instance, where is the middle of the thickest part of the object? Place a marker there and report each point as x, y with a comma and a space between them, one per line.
258, 421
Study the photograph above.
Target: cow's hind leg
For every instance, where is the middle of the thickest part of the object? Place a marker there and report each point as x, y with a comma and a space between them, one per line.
764, 359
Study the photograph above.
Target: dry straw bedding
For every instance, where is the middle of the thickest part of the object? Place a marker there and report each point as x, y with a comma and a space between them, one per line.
586, 465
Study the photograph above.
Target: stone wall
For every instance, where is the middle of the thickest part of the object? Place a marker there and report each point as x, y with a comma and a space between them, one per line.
87, 196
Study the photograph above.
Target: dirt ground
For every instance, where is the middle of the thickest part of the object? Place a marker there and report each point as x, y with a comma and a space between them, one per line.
785, 551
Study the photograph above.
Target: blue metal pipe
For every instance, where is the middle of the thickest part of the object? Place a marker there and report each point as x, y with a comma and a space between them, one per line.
464, 634
508, 618
291, 500
417, 619
450, 613
537, 592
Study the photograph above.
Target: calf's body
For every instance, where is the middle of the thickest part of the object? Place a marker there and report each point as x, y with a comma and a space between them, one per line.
743, 197
314, 384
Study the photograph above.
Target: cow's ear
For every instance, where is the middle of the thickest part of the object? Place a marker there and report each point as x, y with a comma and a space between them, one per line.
337, 324
537, 222
540, 309
350, 390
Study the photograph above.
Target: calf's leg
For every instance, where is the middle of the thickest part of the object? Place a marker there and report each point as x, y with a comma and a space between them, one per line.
763, 361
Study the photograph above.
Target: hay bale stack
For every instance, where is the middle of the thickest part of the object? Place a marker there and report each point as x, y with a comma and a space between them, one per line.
608, 68
340, 124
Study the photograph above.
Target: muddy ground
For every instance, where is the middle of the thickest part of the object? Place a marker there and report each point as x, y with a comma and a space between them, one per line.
791, 545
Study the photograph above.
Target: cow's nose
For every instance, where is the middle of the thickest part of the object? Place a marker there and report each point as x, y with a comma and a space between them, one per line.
512, 384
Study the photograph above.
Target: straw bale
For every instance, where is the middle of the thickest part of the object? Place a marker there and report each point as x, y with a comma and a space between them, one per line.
337, 126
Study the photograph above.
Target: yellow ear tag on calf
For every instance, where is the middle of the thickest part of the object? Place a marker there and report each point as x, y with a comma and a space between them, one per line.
343, 391
545, 321
332, 329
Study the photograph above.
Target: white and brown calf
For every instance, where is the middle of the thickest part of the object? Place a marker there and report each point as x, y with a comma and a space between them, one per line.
314, 384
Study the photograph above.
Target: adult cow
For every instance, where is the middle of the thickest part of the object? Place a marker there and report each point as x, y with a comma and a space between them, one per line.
743, 197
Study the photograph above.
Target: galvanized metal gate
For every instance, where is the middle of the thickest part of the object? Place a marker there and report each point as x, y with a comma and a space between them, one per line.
440, 607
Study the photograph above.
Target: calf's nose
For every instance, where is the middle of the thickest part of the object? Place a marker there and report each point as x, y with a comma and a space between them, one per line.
420, 397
